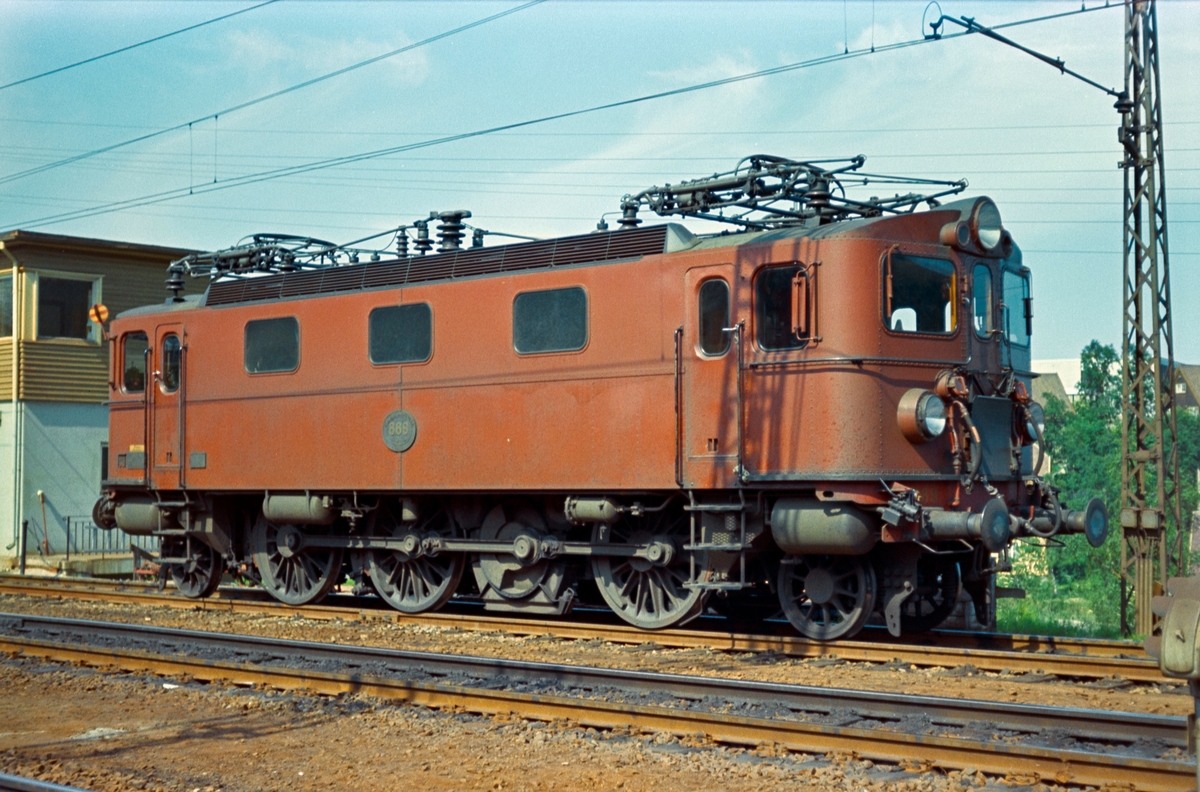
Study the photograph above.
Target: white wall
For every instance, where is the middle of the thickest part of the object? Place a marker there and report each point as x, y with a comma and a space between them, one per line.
8, 516
61, 458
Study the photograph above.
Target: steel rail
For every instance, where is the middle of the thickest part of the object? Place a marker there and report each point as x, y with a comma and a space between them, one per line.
1069, 657
1084, 724
14, 783
879, 742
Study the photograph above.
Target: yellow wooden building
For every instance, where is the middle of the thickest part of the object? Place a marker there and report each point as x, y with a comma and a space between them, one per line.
54, 375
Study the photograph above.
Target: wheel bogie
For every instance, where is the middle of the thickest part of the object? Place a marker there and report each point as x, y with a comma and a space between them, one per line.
656, 561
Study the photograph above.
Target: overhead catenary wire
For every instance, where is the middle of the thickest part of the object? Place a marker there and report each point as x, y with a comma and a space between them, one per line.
129, 47
273, 95
276, 173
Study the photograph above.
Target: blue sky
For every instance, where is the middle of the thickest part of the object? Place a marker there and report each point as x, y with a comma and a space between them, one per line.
1041, 144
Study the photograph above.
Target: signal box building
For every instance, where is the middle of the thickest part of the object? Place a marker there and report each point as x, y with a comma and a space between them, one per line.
54, 372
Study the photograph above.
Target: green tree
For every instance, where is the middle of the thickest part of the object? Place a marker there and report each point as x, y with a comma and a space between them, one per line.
1081, 591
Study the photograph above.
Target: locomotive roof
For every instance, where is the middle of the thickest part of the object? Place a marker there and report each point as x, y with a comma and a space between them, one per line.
582, 250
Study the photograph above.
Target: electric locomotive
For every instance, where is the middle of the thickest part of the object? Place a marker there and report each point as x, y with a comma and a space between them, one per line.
828, 408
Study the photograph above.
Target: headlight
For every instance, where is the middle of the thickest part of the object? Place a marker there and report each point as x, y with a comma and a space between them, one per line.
921, 415
986, 225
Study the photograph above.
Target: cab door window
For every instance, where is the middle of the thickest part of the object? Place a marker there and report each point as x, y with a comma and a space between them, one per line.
171, 358
714, 317
133, 356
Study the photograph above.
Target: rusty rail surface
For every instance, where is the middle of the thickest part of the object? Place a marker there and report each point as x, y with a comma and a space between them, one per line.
1069, 657
996, 756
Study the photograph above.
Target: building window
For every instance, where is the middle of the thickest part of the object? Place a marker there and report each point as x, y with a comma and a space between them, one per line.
774, 324
272, 345
983, 300
6, 305
171, 358
550, 321
134, 365
400, 333
62, 308
714, 317
919, 294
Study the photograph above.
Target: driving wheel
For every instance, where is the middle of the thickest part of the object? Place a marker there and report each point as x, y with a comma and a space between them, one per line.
409, 579
650, 592
290, 572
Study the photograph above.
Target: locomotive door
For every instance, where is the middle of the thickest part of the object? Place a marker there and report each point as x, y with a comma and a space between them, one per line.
709, 378
166, 405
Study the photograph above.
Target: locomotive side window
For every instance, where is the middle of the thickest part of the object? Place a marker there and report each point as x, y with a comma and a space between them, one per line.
1017, 307
400, 333
920, 294
550, 321
171, 356
982, 299
774, 323
133, 357
272, 345
714, 317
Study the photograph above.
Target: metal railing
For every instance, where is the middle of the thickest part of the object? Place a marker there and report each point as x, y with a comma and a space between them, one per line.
86, 538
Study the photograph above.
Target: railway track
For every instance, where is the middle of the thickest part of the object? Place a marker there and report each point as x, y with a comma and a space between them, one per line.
12, 783
1054, 744
1067, 657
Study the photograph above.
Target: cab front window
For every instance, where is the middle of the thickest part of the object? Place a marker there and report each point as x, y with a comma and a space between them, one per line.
919, 294
982, 300
1017, 307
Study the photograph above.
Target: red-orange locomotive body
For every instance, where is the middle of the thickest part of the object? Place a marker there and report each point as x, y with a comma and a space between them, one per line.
832, 410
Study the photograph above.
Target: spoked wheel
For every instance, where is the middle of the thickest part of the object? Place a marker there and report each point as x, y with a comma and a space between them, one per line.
291, 573
825, 596
410, 580
200, 575
938, 586
650, 593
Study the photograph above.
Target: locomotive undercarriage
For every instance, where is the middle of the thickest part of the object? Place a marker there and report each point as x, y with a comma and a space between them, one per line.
656, 560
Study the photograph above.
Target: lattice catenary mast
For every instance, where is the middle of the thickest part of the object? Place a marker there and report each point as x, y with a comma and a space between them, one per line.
1150, 505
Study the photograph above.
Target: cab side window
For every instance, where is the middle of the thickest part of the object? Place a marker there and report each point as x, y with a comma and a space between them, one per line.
272, 345
919, 294
133, 362
714, 317
774, 324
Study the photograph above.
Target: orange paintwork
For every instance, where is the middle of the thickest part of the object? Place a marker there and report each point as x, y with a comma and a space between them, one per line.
603, 419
